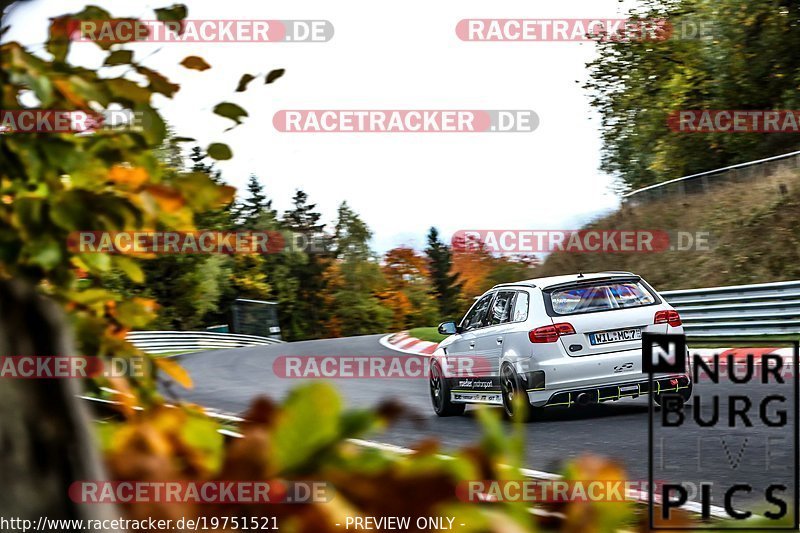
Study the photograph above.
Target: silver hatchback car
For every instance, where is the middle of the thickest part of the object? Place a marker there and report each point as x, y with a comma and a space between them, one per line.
556, 341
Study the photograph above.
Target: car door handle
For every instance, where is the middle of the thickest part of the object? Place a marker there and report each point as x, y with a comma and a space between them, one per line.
472, 345
499, 340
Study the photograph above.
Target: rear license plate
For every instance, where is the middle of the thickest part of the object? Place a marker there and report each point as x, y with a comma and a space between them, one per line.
619, 335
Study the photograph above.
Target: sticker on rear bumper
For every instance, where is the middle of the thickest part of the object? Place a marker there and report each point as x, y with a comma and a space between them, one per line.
477, 397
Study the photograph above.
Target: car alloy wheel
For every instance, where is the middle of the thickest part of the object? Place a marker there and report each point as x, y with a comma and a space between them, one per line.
515, 398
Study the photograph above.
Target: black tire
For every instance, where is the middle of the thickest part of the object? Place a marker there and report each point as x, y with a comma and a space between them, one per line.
686, 395
512, 390
440, 393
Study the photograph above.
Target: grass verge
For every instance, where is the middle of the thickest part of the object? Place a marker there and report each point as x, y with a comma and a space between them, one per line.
752, 232
427, 334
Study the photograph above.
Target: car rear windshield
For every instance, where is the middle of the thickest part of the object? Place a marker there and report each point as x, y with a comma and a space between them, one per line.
600, 297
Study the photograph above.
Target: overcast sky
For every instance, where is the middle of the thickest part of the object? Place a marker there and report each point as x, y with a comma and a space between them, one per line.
390, 56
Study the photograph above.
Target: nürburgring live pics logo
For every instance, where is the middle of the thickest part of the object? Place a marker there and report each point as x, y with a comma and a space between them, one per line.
736, 439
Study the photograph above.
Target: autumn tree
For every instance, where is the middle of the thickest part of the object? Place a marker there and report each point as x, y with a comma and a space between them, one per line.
355, 280
480, 269
53, 184
408, 292
743, 58
473, 264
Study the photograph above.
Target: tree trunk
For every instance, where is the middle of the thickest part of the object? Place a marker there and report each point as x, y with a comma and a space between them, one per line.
45, 435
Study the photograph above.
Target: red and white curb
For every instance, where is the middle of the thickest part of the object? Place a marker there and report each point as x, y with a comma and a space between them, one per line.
403, 342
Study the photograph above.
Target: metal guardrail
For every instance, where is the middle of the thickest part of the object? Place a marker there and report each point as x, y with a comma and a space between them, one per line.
765, 308
760, 309
701, 182
156, 342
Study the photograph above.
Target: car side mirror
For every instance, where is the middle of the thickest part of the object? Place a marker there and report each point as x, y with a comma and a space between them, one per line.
448, 328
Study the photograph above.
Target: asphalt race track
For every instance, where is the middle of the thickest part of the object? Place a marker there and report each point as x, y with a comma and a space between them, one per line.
229, 379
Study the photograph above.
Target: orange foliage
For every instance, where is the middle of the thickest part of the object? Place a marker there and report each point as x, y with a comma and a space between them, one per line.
473, 266
400, 306
402, 268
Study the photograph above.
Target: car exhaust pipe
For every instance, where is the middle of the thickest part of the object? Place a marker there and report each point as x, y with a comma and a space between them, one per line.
584, 399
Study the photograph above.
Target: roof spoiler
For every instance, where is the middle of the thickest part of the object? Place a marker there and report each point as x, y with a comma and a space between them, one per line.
517, 284
622, 276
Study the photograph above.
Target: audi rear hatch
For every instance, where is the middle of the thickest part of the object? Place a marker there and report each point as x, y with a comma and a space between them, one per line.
604, 315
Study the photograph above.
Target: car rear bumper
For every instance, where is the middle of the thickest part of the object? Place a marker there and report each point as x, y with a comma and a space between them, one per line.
568, 397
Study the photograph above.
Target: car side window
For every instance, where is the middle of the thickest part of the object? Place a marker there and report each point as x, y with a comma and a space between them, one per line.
501, 308
477, 314
520, 312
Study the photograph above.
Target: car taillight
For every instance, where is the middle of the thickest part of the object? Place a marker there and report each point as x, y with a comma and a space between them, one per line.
668, 317
550, 333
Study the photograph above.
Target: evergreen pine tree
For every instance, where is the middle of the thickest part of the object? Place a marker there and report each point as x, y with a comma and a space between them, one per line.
446, 286
255, 211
